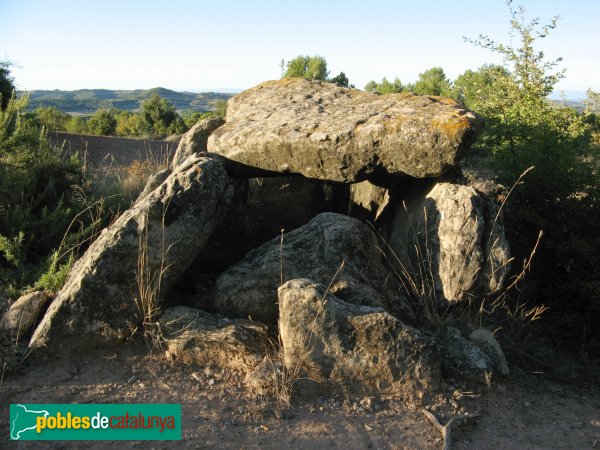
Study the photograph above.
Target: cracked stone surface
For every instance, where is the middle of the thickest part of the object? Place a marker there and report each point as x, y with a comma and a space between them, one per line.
323, 131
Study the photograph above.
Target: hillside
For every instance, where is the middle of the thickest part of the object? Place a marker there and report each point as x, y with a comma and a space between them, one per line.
86, 101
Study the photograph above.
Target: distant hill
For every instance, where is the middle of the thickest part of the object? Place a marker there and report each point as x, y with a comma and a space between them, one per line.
577, 105
86, 101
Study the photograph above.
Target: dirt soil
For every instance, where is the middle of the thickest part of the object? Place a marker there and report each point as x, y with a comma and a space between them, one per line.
523, 413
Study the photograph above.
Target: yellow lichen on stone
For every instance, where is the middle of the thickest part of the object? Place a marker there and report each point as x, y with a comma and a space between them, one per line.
446, 101
394, 124
452, 128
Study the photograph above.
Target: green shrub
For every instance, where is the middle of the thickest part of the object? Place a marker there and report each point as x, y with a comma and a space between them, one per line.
54, 274
102, 123
559, 196
39, 213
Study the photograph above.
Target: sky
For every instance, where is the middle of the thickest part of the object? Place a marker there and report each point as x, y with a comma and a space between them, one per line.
199, 45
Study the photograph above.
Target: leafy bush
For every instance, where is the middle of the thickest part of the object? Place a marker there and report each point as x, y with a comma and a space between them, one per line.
160, 117
191, 119
309, 67
6, 84
52, 118
41, 227
385, 87
560, 195
102, 123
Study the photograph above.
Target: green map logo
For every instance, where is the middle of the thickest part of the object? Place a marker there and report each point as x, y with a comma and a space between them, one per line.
23, 420
95, 422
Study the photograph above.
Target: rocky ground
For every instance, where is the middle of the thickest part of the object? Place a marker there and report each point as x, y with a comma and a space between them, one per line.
519, 412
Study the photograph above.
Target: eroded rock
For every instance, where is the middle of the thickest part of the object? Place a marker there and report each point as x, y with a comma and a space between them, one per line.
335, 250
194, 141
367, 201
160, 234
352, 348
462, 359
487, 342
261, 209
451, 233
211, 340
23, 313
327, 132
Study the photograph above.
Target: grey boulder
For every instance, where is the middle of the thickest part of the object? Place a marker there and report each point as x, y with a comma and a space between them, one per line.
327, 132
211, 340
335, 250
23, 313
194, 141
462, 359
351, 348
452, 235
487, 342
152, 243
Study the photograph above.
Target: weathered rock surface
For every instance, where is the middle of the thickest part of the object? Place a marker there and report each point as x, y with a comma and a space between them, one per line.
487, 342
367, 201
317, 251
323, 131
154, 181
462, 359
212, 340
450, 231
194, 141
266, 376
23, 313
352, 348
261, 208
163, 231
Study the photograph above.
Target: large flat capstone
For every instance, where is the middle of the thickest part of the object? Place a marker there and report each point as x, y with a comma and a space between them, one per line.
323, 131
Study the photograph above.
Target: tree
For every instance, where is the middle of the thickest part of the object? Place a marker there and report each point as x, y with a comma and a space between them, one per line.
560, 195
6, 84
191, 119
524, 126
432, 82
592, 103
35, 184
76, 124
129, 124
341, 80
220, 108
51, 118
102, 123
160, 117
385, 87
309, 67
473, 87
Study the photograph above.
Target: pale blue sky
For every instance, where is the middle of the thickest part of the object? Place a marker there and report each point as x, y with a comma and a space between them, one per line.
201, 45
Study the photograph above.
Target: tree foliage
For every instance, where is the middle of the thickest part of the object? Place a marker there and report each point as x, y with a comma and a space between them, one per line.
6, 84
592, 103
35, 184
309, 67
432, 82
560, 196
52, 118
160, 117
220, 108
341, 80
385, 87
474, 87
129, 124
191, 119
102, 123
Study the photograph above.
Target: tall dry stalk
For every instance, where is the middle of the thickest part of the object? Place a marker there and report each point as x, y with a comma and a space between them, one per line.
149, 282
